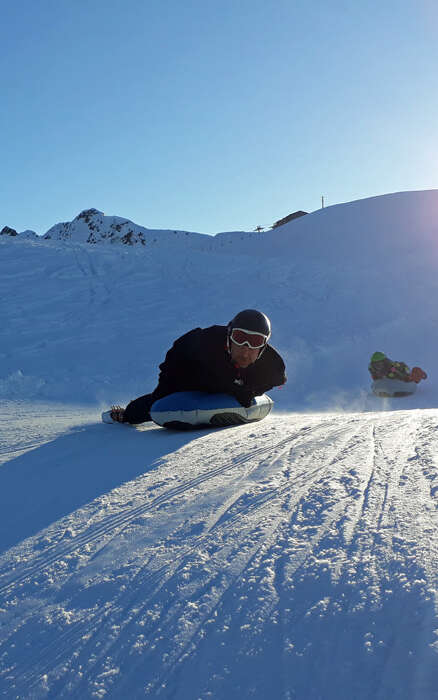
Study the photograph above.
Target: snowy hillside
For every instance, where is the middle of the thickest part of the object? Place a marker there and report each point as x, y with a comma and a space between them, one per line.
294, 558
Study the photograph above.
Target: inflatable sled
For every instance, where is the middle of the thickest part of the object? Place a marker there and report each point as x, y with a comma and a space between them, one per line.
188, 409
393, 387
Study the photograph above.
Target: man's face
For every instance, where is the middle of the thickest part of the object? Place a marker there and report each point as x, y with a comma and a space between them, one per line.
242, 355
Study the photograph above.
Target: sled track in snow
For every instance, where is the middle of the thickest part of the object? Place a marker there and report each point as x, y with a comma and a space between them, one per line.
307, 466
152, 581
119, 522
296, 493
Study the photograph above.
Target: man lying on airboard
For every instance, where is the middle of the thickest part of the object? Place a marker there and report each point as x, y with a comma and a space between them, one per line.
234, 359
381, 366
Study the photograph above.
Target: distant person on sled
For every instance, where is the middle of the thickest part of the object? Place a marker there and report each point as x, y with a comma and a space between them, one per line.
393, 378
235, 359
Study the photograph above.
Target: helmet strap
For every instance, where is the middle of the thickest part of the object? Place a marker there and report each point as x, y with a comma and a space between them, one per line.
229, 329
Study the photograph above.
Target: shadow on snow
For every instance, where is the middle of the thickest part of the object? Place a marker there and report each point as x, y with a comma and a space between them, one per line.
52, 481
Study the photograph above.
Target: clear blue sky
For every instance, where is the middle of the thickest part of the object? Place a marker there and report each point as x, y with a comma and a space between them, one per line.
212, 115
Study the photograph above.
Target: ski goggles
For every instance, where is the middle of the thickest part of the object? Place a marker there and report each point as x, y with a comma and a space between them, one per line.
252, 339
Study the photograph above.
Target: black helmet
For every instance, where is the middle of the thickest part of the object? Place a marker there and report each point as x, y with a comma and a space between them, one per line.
251, 320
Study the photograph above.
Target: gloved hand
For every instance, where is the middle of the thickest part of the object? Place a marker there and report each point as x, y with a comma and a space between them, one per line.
417, 374
118, 414
243, 395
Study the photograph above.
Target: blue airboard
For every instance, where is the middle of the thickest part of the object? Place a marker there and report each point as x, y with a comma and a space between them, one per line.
186, 409
192, 400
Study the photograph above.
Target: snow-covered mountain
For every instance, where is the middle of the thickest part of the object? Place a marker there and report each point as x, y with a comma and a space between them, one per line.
7, 231
92, 226
294, 558
338, 284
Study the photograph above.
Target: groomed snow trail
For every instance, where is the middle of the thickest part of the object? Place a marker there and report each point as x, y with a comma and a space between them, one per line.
306, 545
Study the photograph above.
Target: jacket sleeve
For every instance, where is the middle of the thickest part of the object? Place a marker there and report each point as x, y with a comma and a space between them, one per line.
174, 369
276, 376
259, 383
399, 370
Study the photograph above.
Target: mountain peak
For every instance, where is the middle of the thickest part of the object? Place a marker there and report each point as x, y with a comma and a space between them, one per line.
88, 214
8, 231
92, 226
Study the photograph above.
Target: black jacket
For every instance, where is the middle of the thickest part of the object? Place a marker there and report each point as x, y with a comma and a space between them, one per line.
200, 361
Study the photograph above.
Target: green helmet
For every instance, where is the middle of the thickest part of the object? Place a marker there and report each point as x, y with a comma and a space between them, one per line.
378, 356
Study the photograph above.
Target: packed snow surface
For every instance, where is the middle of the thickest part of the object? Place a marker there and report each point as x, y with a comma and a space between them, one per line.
295, 558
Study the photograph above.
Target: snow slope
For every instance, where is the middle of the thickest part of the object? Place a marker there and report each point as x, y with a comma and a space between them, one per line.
294, 558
